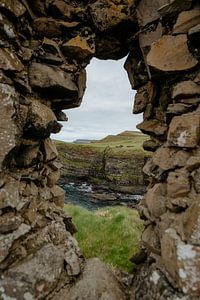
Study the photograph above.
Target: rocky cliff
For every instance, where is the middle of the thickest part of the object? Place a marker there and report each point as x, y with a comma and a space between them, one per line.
45, 46
114, 163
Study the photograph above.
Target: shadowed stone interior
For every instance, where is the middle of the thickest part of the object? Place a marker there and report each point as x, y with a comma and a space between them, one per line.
45, 47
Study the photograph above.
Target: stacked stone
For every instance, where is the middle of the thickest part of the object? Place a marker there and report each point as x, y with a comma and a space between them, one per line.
165, 72
37, 250
44, 48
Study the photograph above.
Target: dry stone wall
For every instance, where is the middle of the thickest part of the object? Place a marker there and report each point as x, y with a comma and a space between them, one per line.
45, 46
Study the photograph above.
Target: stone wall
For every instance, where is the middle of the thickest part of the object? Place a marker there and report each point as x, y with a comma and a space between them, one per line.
45, 47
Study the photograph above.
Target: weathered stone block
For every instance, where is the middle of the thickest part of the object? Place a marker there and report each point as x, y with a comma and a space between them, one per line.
97, 280
184, 131
107, 14
143, 97
58, 195
52, 28
153, 127
185, 89
167, 158
186, 20
155, 200
147, 11
171, 53
8, 129
6, 240
41, 121
174, 6
15, 7
50, 151
150, 239
9, 61
51, 79
78, 48
178, 184
181, 261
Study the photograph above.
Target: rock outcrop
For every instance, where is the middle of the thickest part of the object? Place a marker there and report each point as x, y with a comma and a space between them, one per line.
44, 49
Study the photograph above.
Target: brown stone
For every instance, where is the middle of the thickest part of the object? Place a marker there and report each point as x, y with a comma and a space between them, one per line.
107, 14
147, 38
156, 201
9, 222
48, 79
185, 89
41, 271
167, 158
135, 67
6, 240
186, 20
50, 151
61, 116
53, 178
9, 61
151, 145
152, 170
153, 127
67, 11
147, 11
143, 97
196, 178
181, 261
15, 7
58, 195
78, 48
9, 193
8, 128
194, 33
188, 224
171, 53
178, 204
109, 47
27, 155
184, 131
41, 121
97, 281
7, 28
178, 184
174, 6
52, 28
150, 240
179, 108
193, 163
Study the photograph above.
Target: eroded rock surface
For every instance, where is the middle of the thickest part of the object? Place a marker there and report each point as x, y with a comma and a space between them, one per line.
45, 47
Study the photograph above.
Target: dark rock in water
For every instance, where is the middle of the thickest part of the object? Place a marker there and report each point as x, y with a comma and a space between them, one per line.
85, 195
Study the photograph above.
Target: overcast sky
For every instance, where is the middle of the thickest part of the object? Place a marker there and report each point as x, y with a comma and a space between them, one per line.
106, 107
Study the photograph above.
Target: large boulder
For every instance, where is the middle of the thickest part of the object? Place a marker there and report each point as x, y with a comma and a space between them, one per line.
107, 14
171, 53
96, 282
50, 79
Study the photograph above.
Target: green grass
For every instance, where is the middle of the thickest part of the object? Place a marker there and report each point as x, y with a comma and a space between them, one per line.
112, 234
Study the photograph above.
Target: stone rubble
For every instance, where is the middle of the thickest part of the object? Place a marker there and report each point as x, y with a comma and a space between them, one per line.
45, 46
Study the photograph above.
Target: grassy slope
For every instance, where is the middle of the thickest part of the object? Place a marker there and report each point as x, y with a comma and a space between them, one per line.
125, 143
112, 234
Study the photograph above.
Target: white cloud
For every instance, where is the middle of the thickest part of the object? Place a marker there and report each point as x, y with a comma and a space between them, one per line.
106, 107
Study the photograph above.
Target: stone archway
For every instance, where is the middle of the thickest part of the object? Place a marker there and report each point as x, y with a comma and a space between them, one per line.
45, 47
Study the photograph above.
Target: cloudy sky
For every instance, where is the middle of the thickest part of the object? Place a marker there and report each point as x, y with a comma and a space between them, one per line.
106, 107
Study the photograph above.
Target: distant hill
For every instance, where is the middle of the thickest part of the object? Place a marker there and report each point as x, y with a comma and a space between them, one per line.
125, 135
82, 141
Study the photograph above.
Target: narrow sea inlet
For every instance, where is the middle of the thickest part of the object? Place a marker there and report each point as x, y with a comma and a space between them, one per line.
84, 195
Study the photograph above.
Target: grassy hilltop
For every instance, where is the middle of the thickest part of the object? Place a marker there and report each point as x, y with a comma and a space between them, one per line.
115, 161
